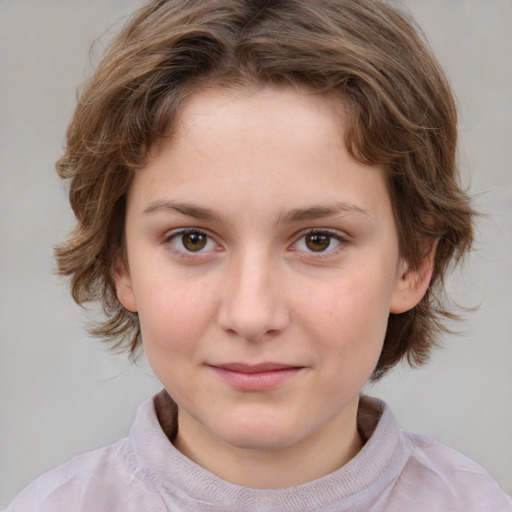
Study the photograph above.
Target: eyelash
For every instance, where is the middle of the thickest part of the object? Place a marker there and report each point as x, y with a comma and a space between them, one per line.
176, 235
331, 235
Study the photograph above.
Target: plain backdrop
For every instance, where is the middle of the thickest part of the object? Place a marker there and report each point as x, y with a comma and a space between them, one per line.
61, 393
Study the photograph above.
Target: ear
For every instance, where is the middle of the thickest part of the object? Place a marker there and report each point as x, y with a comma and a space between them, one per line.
413, 282
124, 288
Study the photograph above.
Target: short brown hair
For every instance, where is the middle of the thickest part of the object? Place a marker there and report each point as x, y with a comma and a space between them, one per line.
400, 114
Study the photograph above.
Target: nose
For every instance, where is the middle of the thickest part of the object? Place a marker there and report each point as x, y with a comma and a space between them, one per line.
253, 305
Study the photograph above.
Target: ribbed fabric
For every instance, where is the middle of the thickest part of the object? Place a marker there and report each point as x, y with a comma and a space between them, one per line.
394, 472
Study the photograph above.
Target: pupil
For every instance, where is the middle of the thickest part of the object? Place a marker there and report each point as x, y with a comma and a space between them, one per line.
318, 242
194, 241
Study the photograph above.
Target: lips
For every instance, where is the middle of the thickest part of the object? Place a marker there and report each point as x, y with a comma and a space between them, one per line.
254, 368
256, 377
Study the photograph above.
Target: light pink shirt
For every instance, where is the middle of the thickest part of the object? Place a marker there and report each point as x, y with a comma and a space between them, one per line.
394, 472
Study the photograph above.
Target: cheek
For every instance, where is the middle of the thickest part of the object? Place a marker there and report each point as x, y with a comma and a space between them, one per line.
349, 321
173, 314
173, 322
354, 304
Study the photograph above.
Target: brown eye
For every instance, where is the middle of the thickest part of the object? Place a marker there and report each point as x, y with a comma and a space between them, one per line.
194, 242
191, 241
317, 242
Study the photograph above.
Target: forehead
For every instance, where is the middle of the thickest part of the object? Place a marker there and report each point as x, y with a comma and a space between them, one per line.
251, 107
253, 145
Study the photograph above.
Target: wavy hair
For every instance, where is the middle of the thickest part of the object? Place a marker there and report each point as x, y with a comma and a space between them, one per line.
400, 115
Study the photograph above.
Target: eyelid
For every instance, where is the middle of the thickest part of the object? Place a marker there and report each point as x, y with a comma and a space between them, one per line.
175, 233
341, 237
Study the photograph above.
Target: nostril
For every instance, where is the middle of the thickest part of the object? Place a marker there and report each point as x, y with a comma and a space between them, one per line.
252, 307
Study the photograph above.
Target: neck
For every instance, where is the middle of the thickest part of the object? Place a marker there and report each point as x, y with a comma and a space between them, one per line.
321, 453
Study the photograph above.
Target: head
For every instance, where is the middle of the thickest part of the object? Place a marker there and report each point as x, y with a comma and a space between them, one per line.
366, 56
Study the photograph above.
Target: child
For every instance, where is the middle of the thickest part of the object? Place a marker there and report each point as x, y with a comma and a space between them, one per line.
266, 199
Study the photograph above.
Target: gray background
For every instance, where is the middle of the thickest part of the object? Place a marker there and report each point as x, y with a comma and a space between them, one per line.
61, 393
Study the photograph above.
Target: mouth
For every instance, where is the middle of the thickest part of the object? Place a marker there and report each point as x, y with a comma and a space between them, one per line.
256, 377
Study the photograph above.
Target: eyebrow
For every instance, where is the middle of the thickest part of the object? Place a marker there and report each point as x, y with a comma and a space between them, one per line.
295, 215
190, 210
318, 212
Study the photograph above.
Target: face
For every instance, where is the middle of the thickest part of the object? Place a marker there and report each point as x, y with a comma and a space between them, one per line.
263, 263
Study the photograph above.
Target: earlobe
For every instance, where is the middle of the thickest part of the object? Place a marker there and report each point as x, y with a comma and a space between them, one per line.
124, 288
412, 282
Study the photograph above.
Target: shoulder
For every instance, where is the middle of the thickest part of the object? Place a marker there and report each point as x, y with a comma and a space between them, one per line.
457, 482
110, 479
423, 474
100, 480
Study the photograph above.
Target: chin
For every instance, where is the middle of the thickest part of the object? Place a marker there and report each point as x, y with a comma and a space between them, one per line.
260, 436
258, 443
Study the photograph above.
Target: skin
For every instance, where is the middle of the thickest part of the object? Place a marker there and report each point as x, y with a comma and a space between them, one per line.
250, 174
